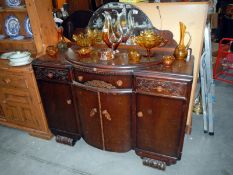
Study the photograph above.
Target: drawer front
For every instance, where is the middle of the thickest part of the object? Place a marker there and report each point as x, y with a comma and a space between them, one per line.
161, 87
104, 81
52, 74
8, 80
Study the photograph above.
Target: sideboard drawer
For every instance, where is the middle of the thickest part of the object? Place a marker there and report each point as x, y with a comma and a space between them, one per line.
161, 87
8, 80
52, 74
117, 81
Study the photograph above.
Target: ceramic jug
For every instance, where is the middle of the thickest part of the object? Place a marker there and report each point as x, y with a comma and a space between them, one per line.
181, 51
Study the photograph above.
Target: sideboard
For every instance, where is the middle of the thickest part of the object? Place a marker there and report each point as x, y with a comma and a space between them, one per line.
117, 105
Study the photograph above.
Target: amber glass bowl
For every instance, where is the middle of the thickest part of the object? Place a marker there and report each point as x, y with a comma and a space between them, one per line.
83, 40
52, 51
148, 39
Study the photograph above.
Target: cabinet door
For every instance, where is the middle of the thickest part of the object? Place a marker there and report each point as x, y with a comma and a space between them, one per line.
59, 108
88, 108
160, 125
16, 106
116, 116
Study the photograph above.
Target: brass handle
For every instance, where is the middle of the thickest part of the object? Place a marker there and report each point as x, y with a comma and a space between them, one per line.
68, 101
80, 78
50, 75
106, 115
119, 83
159, 89
93, 112
7, 80
140, 114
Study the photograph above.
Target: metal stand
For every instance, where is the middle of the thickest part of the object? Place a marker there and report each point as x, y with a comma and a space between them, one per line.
207, 83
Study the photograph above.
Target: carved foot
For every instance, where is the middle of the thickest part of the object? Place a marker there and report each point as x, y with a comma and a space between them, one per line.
154, 163
65, 140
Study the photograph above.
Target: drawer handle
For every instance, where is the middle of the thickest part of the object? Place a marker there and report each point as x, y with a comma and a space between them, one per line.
93, 112
106, 115
119, 83
69, 101
7, 80
4, 101
159, 88
50, 75
140, 114
80, 78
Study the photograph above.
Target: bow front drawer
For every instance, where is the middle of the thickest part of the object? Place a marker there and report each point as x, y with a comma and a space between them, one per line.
116, 81
50, 74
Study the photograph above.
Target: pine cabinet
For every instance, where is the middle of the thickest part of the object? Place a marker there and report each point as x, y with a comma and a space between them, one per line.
44, 31
20, 103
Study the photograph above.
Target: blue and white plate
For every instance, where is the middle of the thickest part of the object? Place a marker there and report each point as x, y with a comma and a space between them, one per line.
12, 26
13, 3
27, 26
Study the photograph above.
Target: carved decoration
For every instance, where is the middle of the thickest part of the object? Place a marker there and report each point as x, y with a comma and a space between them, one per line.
99, 84
161, 165
65, 140
53, 74
162, 87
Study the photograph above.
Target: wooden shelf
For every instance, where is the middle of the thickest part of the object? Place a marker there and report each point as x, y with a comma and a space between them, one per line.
7, 10
25, 44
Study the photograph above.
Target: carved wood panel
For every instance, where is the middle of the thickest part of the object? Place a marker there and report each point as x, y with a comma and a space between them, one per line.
43, 73
160, 87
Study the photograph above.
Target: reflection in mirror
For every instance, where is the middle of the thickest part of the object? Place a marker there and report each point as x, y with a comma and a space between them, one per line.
131, 18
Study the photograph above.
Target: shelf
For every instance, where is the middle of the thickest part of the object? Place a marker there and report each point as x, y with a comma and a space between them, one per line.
10, 45
7, 10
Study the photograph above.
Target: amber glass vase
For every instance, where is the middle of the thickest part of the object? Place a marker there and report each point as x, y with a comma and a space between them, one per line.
181, 51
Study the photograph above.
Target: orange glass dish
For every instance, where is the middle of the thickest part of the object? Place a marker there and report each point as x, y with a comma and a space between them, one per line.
148, 39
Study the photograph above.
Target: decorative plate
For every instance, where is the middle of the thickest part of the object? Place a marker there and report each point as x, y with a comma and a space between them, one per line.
12, 26
27, 26
13, 3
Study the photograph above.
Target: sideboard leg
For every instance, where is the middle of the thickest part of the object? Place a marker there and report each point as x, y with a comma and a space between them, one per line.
65, 140
161, 165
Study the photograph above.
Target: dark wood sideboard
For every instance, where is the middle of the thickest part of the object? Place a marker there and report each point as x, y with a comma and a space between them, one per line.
118, 105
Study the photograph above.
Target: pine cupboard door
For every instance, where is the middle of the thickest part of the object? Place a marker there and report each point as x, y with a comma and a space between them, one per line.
17, 107
59, 108
159, 125
116, 118
88, 107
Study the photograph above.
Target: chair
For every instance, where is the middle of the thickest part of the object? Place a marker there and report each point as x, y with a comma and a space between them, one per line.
77, 20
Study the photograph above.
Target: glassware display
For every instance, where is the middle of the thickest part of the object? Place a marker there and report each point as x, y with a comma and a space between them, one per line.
115, 33
181, 51
148, 39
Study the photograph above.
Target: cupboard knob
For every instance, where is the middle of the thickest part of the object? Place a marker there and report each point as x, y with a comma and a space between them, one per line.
7, 80
140, 114
80, 78
68, 102
119, 83
159, 88
4, 101
50, 75
93, 112
106, 115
